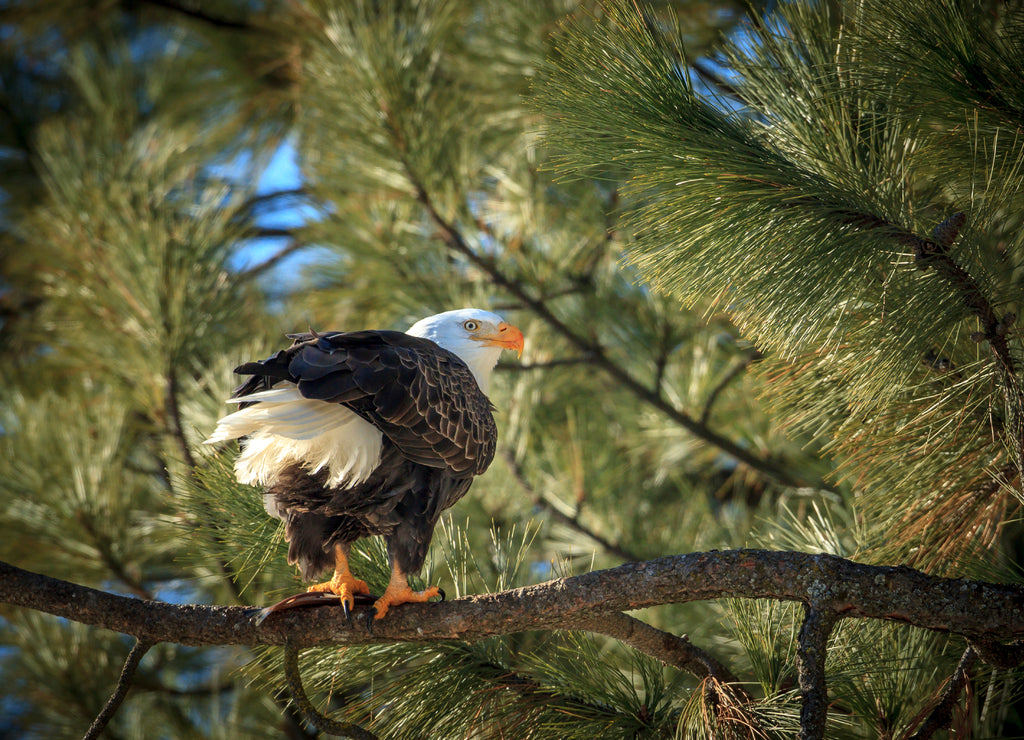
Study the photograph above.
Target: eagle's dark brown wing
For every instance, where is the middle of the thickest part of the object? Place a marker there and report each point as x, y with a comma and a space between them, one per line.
421, 396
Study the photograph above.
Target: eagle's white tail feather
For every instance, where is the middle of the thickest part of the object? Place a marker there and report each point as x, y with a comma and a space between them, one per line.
284, 428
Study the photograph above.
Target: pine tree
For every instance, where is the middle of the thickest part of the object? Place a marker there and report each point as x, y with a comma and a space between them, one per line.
766, 263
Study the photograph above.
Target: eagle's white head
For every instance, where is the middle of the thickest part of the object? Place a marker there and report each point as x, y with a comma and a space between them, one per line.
478, 337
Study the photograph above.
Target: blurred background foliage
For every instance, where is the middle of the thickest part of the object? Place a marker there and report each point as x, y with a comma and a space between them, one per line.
699, 213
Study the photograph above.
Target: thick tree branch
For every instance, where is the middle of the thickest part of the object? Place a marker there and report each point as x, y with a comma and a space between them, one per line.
812, 649
131, 664
980, 611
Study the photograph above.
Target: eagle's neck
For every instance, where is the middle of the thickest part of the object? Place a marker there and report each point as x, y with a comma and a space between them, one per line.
481, 362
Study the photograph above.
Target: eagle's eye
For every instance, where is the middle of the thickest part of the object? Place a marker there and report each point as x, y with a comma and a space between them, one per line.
470, 325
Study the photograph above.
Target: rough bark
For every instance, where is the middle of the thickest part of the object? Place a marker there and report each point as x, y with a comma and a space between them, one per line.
986, 612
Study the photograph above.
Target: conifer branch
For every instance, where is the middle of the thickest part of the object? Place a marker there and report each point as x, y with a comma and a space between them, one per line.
525, 366
573, 522
177, 430
256, 201
670, 649
934, 253
942, 713
832, 588
455, 241
310, 712
251, 273
124, 683
174, 420
715, 81
106, 554
1001, 656
733, 373
982, 612
199, 15
812, 649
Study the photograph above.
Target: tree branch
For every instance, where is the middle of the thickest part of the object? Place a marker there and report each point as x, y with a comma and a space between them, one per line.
670, 649
716, 82
942, 714
1001, 656
259, 200
131, 664
572, 522
198, 15
812, 649
558, 362
272, 261
310, 712
176, 427
977, 610
730, 376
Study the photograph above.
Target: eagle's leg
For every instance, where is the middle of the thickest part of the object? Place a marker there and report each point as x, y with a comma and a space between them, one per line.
343, 583
399, 592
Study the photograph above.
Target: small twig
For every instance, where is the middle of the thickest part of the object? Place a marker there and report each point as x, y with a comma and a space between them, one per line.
258, 200
730, 376
812, 649
661, 361
131, 664
942, 714
306, 708
116, 567
195, 14
177, 431
714, 80
561, 362
272, 261
271, 232
570, 521
175, 424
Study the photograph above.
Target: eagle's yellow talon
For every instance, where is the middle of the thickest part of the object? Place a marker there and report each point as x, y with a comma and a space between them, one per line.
343, 583
399, 592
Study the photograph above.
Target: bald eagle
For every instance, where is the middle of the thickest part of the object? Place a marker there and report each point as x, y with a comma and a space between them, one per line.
362, 433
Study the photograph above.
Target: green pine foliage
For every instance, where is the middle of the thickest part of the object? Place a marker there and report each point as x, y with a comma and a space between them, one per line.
712, 222
830, 173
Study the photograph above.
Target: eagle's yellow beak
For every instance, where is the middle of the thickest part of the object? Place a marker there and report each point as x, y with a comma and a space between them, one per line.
504, 335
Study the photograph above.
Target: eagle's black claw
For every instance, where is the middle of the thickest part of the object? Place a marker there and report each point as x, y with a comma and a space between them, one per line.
348, 612
440, 592
371, 614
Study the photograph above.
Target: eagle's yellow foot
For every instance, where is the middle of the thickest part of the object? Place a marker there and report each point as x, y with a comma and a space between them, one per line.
343, 583
396, 597
399, 592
